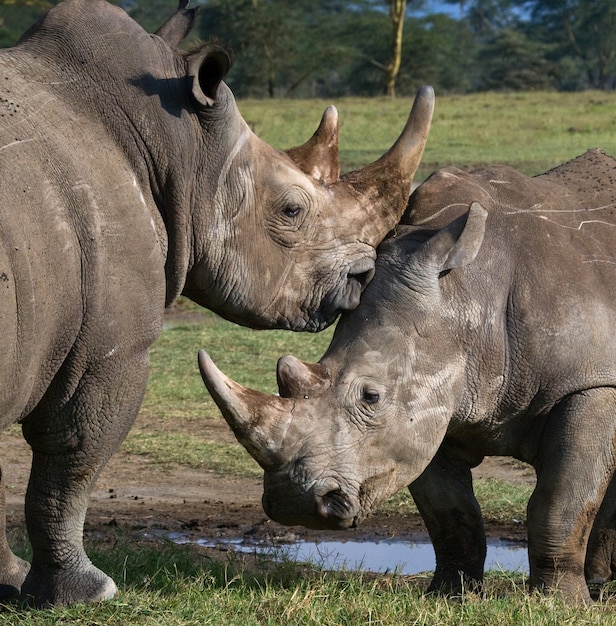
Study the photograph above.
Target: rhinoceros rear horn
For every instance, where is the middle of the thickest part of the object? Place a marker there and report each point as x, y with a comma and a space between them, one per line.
387, 182
318, 157
258, 420
297, 379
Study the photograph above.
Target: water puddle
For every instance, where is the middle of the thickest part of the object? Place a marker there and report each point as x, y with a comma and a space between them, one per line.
388, 556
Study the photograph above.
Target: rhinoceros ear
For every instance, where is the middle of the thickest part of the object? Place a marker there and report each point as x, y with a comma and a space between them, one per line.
453, 246
297, 379
318, 157
207, 66
469, 240
178, 25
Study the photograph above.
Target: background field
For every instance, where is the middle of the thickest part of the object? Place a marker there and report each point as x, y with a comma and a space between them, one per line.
162, 583
529, 131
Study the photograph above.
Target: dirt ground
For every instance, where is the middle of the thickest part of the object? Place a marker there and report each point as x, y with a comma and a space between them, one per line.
135, 496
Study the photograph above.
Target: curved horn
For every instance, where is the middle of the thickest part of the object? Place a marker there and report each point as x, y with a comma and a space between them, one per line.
387, 181
318, 157
258, 420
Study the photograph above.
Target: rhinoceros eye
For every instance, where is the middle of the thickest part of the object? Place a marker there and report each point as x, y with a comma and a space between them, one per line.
292, 210
370, 397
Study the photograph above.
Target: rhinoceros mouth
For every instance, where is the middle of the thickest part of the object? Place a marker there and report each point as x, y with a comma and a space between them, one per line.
332, 510
346, 296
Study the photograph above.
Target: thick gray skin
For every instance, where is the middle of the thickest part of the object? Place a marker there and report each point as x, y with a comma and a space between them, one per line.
129, 177
476, 337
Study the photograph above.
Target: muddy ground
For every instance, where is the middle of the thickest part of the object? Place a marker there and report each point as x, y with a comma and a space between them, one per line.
132, 495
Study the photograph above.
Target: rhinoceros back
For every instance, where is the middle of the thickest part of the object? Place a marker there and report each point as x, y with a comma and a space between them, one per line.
75, 234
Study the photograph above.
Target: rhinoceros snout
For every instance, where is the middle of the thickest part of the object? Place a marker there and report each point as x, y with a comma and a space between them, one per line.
331, 510
359, 278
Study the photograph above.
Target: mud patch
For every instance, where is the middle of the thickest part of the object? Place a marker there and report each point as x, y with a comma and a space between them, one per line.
133, 494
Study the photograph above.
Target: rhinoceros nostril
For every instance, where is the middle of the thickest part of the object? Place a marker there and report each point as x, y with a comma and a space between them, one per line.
345, 296
362, 271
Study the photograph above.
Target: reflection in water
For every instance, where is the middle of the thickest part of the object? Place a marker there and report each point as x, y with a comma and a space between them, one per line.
372, 556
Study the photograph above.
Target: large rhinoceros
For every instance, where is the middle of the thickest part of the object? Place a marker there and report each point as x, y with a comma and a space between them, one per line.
487, 330
128, 176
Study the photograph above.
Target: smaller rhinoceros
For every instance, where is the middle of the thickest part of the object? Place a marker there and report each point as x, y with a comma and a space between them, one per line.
487, 330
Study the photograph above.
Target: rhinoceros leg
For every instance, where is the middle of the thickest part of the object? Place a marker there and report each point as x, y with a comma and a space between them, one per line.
13, 570
444, 496
69, 448
601, 553
574, 466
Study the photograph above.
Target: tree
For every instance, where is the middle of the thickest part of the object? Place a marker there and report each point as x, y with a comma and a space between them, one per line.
151, 14
43, 5
262, 34
281, 47
512, 61
487, 17
581, 31
397, 13
16, 16
441, 51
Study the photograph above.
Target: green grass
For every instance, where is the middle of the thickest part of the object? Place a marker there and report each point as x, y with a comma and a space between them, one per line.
530, 131
246, 355
162, 583
165, 448
500, 501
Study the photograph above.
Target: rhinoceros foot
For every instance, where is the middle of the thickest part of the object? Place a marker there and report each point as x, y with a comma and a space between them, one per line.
454, 584
12, 576
43, 588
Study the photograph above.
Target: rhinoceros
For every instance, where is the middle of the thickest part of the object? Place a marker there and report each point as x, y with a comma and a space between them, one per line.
129, 177
488, 329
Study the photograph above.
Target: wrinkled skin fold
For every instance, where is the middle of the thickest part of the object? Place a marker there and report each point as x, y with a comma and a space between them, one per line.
128, 178
487, 330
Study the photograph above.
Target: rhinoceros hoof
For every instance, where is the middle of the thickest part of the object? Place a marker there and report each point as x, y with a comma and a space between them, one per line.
12, 577
43, 589
454, 584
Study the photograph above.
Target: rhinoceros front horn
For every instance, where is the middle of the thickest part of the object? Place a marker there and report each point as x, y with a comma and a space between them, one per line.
386, 183
258, 420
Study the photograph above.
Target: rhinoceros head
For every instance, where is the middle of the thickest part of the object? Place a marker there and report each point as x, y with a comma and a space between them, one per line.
281, 239
265, 238
364, 422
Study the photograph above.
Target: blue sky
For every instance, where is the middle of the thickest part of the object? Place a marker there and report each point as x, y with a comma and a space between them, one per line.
434, 6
